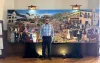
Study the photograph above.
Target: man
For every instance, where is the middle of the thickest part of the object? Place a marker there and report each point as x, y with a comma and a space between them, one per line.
46, 34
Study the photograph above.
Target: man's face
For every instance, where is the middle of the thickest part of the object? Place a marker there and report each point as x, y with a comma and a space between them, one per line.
47, 21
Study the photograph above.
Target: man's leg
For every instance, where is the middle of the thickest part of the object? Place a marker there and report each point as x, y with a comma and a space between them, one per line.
43, 47
49, 47
49, 50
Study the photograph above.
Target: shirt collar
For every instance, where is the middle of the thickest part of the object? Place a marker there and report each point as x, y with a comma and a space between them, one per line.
47, 24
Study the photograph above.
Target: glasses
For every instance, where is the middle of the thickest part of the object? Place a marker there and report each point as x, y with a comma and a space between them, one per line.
46, 20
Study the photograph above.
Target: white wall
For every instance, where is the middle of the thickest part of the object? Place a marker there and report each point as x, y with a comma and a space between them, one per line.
50, 4
1, 9
8, 4
67, 3
92, 4
41, 4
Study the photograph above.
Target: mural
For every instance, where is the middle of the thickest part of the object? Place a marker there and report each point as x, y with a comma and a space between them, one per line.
69, 25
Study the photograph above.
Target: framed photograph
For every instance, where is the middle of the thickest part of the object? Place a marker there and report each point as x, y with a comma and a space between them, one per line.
0, 52
69, 25
1, 43
0, 28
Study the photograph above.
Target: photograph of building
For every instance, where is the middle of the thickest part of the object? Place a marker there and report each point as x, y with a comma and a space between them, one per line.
69, 25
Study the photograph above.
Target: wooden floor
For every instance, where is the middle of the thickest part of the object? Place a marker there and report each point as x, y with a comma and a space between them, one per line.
14, 59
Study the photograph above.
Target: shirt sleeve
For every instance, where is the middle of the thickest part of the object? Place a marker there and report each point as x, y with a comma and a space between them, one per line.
41, 28
52, 32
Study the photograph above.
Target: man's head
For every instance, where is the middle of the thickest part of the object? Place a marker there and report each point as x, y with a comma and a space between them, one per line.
47, 21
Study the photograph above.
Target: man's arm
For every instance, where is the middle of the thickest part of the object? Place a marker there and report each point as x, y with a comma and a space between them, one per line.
52, 33
41, 32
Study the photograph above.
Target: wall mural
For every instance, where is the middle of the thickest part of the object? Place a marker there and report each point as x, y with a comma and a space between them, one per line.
69, 25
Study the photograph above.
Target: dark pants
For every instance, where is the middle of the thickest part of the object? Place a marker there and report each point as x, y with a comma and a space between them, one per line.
46, 44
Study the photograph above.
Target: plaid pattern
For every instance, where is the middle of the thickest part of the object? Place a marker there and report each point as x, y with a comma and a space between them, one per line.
46, 30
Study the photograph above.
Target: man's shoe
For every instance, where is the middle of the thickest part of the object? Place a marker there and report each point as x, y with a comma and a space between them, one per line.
43, 58
50, 59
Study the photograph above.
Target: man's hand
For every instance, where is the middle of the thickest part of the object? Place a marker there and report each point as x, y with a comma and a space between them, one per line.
52, 40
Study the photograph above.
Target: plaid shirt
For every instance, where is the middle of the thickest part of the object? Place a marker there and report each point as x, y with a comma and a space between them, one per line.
46, 30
